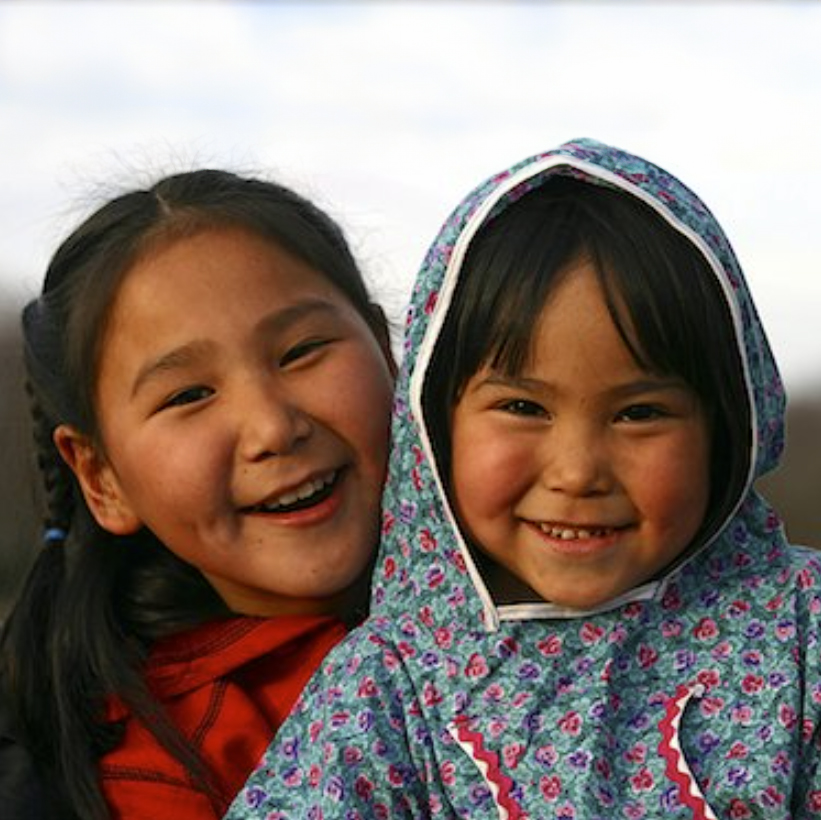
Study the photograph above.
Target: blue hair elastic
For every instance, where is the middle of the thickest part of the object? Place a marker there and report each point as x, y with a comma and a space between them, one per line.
54, 535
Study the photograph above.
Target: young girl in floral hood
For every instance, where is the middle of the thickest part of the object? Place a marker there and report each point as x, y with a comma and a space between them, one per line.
582, 608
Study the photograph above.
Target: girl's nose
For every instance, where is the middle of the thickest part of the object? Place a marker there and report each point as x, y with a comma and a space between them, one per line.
271, 423
575, 461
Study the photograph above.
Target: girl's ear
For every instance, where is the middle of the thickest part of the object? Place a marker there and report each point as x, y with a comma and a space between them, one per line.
101, 490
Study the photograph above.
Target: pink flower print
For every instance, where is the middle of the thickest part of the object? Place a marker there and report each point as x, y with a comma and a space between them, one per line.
435, 577
550, 646
671, 628
708, 678
456, 598
477, 666
591, 633
494, 693
648, 656
551, 787
637, 754
787, 717
752, 684
508, 647
771, 797
389, 568
618, 635
642, 781
293, 777
416, 478
672, 598
427, 542
497, 726
363, 787
431, 695
738, 810
785, 630
447, 773
741, 715
565, 812
814, 801
738, 751
520, 699
409, 628
775, 603
635, 811
570, 724
722, 650
430, 302
443, 637
738, 608
314, 730
367, 688
340, 719
633, 610
711, 706
547, 755
406, 650
426, 615
314, 776
705, 629
458, 560
807, 730
512, 754
805, 579
602, 766
388, 520
395, 777
782, 765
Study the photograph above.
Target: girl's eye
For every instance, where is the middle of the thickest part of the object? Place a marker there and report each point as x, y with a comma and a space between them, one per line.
523, 407
188, 396
640, 412
301, 350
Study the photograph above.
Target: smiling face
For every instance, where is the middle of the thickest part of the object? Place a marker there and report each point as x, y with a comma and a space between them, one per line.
584, 475
244, 407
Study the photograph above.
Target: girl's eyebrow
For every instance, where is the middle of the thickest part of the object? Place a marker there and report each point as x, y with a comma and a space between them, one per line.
198, 349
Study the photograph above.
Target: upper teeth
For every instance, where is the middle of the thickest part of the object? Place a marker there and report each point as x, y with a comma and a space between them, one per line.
571, 533
301, 492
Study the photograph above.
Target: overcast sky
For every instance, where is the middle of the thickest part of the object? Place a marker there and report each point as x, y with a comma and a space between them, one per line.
387, 113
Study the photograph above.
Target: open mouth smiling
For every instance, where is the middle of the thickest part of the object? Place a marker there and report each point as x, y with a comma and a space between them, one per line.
307, 494
566, 532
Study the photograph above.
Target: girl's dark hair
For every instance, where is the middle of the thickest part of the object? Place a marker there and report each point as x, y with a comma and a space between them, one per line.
93, 602
661, 293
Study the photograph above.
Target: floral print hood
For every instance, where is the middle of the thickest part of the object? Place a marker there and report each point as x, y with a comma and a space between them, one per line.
694, 697
423, 549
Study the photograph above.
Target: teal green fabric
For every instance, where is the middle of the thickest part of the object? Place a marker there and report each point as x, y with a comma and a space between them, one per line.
697, 695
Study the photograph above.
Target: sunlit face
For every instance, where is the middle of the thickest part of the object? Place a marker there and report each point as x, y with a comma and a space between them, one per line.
244, 407
585, 475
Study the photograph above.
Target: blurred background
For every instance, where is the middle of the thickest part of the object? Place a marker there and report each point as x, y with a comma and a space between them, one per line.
387, 113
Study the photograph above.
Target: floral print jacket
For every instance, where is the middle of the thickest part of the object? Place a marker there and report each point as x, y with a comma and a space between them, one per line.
696, 695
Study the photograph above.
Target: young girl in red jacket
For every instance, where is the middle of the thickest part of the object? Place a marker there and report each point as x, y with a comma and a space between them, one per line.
210, 388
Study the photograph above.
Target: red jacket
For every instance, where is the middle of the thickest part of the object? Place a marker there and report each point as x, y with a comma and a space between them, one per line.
227, 686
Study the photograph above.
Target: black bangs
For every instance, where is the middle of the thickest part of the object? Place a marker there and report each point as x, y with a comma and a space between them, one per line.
662, 295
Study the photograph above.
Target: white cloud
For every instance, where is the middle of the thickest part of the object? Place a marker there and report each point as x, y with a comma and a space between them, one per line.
389, 112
